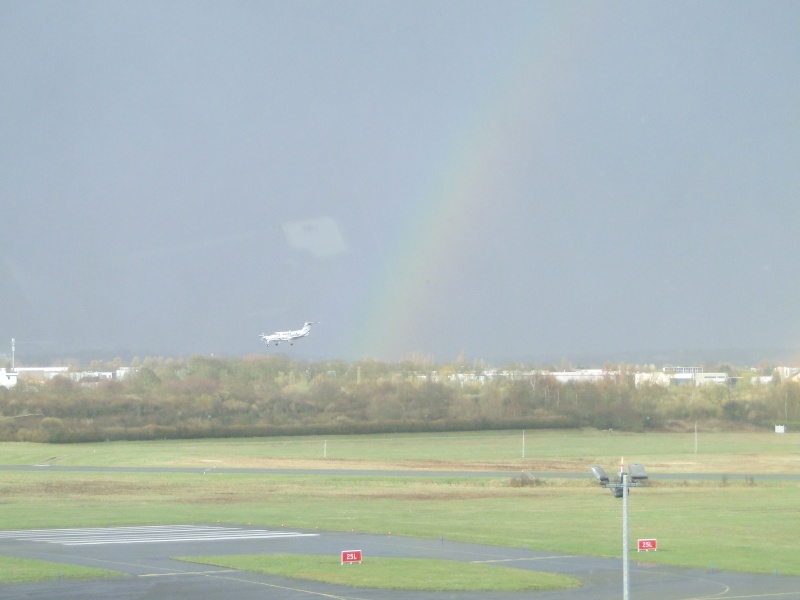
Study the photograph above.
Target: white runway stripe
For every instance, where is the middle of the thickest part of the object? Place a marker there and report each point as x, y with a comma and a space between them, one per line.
144, 535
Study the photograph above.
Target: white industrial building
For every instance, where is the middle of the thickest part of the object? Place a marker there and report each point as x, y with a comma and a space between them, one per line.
680, 376
8, 379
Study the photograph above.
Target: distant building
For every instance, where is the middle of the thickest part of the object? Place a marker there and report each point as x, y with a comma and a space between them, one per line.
680, 376
8, 379
40, 373
683, 370
706, 378
94, 376
788, 373
584, 375
654, 378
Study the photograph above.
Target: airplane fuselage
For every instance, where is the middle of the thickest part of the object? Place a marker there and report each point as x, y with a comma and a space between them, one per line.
287, 336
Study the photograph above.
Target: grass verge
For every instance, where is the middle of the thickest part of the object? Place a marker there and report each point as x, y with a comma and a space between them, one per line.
18, 570
395, 573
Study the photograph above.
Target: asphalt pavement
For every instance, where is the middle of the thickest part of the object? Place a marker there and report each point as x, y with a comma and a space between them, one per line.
146, 560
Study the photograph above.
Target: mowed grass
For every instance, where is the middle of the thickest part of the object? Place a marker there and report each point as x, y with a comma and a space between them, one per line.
732, 523
734, 526
396, 573
536, 450
18, 570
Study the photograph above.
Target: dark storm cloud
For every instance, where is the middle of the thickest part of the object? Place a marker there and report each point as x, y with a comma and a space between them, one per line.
178, 177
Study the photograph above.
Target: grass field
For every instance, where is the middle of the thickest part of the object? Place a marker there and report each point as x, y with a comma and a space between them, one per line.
733, 521
724, 453
16, 570
393, 573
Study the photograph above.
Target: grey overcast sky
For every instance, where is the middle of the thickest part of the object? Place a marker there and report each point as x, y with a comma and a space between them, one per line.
497, 179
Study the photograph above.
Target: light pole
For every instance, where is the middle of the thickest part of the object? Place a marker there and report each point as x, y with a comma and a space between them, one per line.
635, 477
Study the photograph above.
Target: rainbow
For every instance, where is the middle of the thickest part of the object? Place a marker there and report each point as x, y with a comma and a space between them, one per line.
447, 214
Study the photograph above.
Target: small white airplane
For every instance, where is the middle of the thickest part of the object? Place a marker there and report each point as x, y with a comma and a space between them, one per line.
287, 336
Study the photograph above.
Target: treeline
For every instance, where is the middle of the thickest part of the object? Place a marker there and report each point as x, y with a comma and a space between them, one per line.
267, 396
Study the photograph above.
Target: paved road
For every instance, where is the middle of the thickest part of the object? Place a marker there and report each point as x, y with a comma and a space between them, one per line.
386, 472
146, 556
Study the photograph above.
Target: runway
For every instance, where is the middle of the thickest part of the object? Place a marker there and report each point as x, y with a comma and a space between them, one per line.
145, 557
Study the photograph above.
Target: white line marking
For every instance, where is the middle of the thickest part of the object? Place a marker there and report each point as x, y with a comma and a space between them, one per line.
144, 535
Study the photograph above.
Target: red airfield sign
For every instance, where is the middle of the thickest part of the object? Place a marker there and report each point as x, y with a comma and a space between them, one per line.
351, 556
647, 545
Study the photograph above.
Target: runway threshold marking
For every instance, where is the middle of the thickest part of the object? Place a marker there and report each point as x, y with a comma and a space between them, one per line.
94, 536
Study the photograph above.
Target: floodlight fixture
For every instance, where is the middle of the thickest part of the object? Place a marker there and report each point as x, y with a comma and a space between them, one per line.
637, 473
600, 474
